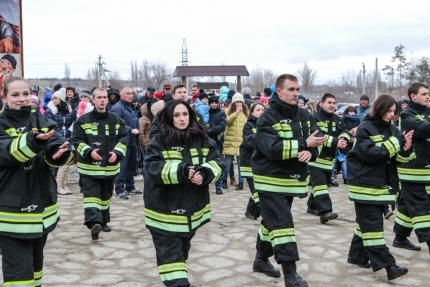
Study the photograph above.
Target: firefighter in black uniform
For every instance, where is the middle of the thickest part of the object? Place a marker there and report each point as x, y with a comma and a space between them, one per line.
246, 150
413, 203
29, 146
286, 139
100, 139
332, 126
373, 182
181, 161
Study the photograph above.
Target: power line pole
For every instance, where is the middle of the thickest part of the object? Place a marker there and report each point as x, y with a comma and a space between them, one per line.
364, 79
102, 72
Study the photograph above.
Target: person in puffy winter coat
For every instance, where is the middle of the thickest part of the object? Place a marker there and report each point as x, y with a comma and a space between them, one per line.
59, 111
223, 91
180, 163
237, 116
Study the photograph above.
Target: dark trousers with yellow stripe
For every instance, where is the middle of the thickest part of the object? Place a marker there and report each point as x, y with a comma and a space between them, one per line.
172, 253
97, 196
276, 235
368, 242
320, 199
253, 207
22, 261
413, 211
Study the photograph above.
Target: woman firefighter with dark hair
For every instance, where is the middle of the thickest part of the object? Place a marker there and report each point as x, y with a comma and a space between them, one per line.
29, 146
373, 182
180, 163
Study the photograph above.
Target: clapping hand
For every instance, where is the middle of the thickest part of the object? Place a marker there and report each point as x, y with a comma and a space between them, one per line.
408, 137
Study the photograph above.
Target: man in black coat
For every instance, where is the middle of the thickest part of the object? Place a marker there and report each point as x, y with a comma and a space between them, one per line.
217, 123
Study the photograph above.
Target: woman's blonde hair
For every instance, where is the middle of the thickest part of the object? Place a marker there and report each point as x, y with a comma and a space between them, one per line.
232, 108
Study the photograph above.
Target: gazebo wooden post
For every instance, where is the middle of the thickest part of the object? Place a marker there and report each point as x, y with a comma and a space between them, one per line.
239, 84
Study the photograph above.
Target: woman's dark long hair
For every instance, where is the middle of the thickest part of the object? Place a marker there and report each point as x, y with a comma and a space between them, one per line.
172, 135
63, 107
382, 105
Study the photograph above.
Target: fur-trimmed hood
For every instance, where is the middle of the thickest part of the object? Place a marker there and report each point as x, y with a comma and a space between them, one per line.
54, 108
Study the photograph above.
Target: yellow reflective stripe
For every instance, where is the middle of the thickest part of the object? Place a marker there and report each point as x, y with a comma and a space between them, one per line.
319, 190
290, 149
82, 147
38, 278
369, 194
329, 141
215, 168
12, 132
167, 222
263, 233
357, 230
283, 129
22, 283
94, 202
96, 170
414, 174
373, 238
344, 135
121, 148
392, 145
21, 222
19, 149
194, 152
173, 271
282, 236
50, 215
200, 217
403, 220
171, 154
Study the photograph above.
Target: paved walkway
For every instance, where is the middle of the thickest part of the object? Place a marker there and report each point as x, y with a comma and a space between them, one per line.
222, 251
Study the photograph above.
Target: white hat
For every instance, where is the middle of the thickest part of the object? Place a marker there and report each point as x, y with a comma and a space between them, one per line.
237, 98
61, 94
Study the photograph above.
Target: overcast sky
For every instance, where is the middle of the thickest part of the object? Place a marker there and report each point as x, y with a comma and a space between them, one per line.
331, 36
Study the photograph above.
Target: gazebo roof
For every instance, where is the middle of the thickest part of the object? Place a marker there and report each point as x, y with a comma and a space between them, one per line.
210, 71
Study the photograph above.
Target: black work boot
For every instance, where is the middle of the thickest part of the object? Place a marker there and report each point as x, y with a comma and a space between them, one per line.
224, 184
264, 266
403, 242
326, 216
291, 278
239, 186
395, 271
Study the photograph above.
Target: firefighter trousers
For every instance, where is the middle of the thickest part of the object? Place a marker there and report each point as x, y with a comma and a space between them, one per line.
22, 261
413, 211
172, 253
276, 235
253, 207
368, 242
97, 197
320, 199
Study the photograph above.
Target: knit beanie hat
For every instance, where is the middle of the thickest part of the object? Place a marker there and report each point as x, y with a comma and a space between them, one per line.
264, 99
203, 95
158, 95
237, 98
61, 94
85, 94
213, 99
35, 99
364, 97
57, 87
11, 60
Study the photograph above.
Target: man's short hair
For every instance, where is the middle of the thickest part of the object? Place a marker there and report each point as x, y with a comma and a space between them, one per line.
195, 86
326, 96
177, 87
415, 87
93, 94
281, 79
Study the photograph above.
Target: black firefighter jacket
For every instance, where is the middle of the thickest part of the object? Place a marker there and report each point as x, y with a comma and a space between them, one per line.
28, 191
247, 147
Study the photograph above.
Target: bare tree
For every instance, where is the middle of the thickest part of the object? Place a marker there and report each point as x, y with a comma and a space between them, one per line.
160, 73
93, 75
115, 80
67, 73
145, 73
134, 73
307, 77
